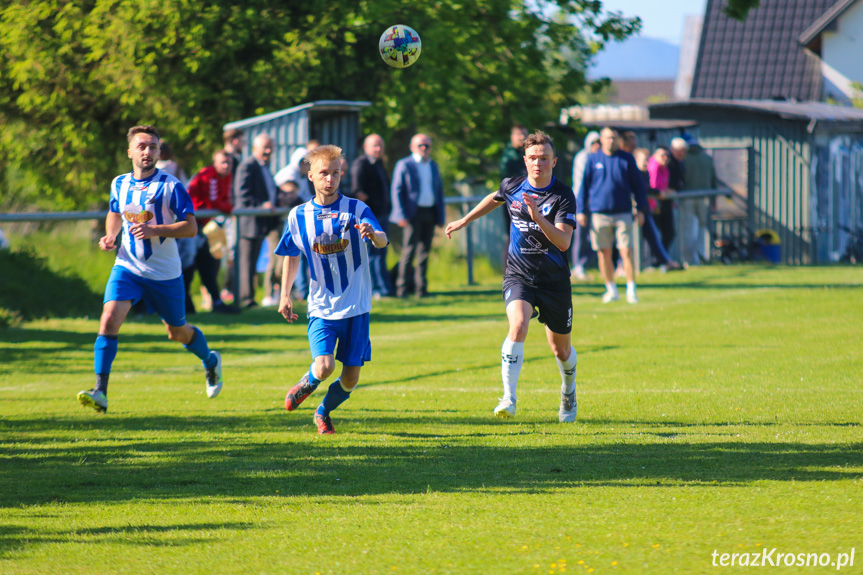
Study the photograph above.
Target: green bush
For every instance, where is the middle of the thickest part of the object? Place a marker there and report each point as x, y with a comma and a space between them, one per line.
30, 289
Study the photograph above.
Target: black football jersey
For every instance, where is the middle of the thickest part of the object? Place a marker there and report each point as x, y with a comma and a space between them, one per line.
532, 257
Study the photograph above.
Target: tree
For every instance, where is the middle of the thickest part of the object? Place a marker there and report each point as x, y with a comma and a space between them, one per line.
739, 9
74, 75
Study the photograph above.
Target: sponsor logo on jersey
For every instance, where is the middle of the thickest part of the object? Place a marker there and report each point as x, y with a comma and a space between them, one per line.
516, 206
137, 215
570, 217
328, 215
329, 244
599, 166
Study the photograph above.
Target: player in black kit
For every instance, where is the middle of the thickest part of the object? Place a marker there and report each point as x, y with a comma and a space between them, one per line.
536, 280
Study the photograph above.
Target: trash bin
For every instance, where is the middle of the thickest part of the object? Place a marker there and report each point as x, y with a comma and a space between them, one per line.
768, 246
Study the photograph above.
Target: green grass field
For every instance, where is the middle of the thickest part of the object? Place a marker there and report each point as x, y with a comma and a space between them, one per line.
723, 413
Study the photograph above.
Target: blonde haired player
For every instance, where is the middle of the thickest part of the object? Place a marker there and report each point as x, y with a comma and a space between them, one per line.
331, 230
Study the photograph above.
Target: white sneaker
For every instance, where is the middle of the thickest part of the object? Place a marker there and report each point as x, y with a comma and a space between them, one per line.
214, 377
506, 408
578, 274
631, 297
610, 296
96, 400
568, 407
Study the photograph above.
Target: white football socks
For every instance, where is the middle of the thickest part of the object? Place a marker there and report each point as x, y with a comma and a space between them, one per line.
630, 288
611, 287
567, 371
512, 358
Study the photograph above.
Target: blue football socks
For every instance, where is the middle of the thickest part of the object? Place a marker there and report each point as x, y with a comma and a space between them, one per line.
104, 352
336, 395
199, 347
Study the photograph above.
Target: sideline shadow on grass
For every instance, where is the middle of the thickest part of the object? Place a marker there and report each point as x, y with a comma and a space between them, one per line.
43, 461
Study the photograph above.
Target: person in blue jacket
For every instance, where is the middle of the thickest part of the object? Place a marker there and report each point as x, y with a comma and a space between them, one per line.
611, 180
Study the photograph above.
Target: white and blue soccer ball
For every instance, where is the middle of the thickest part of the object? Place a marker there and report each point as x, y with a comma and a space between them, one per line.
400, 46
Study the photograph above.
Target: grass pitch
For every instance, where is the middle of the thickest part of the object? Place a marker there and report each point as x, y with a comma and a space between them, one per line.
723, 413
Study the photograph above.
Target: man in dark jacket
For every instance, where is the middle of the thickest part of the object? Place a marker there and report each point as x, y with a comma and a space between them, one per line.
418, 206
370, 184
254, 187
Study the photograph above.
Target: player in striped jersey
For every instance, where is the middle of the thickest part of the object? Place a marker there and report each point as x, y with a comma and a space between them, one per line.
150, 208
332, 231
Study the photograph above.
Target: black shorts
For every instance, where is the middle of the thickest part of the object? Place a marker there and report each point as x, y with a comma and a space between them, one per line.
553, 301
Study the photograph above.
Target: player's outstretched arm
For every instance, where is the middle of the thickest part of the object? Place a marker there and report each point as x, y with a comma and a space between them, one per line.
485, 206
290, 266
113, 226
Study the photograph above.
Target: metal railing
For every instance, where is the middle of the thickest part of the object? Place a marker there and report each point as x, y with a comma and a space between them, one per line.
464, 202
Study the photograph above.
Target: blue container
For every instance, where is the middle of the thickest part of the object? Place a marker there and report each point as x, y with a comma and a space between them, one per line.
771, 253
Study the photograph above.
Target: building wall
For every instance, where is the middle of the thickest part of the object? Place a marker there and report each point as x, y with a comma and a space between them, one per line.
841, 49
779, 179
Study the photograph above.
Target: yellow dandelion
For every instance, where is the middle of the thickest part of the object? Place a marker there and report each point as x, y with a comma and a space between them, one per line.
568, 538
581, 562
614, 562
590, 570
626, 544
656, 545
524, 546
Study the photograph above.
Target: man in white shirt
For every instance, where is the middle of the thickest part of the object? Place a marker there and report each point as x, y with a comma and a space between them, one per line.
418, 206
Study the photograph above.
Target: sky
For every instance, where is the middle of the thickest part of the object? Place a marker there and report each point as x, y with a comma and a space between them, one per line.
662, 19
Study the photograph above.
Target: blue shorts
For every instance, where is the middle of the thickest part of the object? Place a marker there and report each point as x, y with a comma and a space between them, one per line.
352, 333
166, 298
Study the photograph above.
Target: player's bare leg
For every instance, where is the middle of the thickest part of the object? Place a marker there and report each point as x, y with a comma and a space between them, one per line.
606, 269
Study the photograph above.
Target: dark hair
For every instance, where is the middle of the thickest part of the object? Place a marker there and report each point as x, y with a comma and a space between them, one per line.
144, 129
520, 127
230, 135
539, 138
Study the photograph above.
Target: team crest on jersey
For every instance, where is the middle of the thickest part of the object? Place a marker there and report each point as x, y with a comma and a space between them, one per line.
329, 244
546, 209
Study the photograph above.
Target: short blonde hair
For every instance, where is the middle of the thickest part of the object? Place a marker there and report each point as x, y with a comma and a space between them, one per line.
327, 153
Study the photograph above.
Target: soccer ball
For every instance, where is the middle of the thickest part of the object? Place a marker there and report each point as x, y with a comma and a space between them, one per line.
400, 46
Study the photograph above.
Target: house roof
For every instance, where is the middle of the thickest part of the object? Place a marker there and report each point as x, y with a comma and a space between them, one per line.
641, 92
810, 34
796, 111
759, 58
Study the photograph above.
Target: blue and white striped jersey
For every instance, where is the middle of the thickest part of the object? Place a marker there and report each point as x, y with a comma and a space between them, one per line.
341, 285
160, 199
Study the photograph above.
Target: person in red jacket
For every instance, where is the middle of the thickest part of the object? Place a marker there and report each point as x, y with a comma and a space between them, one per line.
210, 189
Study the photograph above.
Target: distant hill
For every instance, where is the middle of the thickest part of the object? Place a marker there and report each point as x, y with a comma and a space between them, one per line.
636, 58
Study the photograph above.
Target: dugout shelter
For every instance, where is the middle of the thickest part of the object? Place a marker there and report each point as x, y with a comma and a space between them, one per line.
334, 122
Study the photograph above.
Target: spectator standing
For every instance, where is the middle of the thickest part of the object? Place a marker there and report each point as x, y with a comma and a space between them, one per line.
611, 180
695, 213
210, 189
371, 185
676, 183
418, 207
168, 164
234, 141
581, 251
511, 165
254, 187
